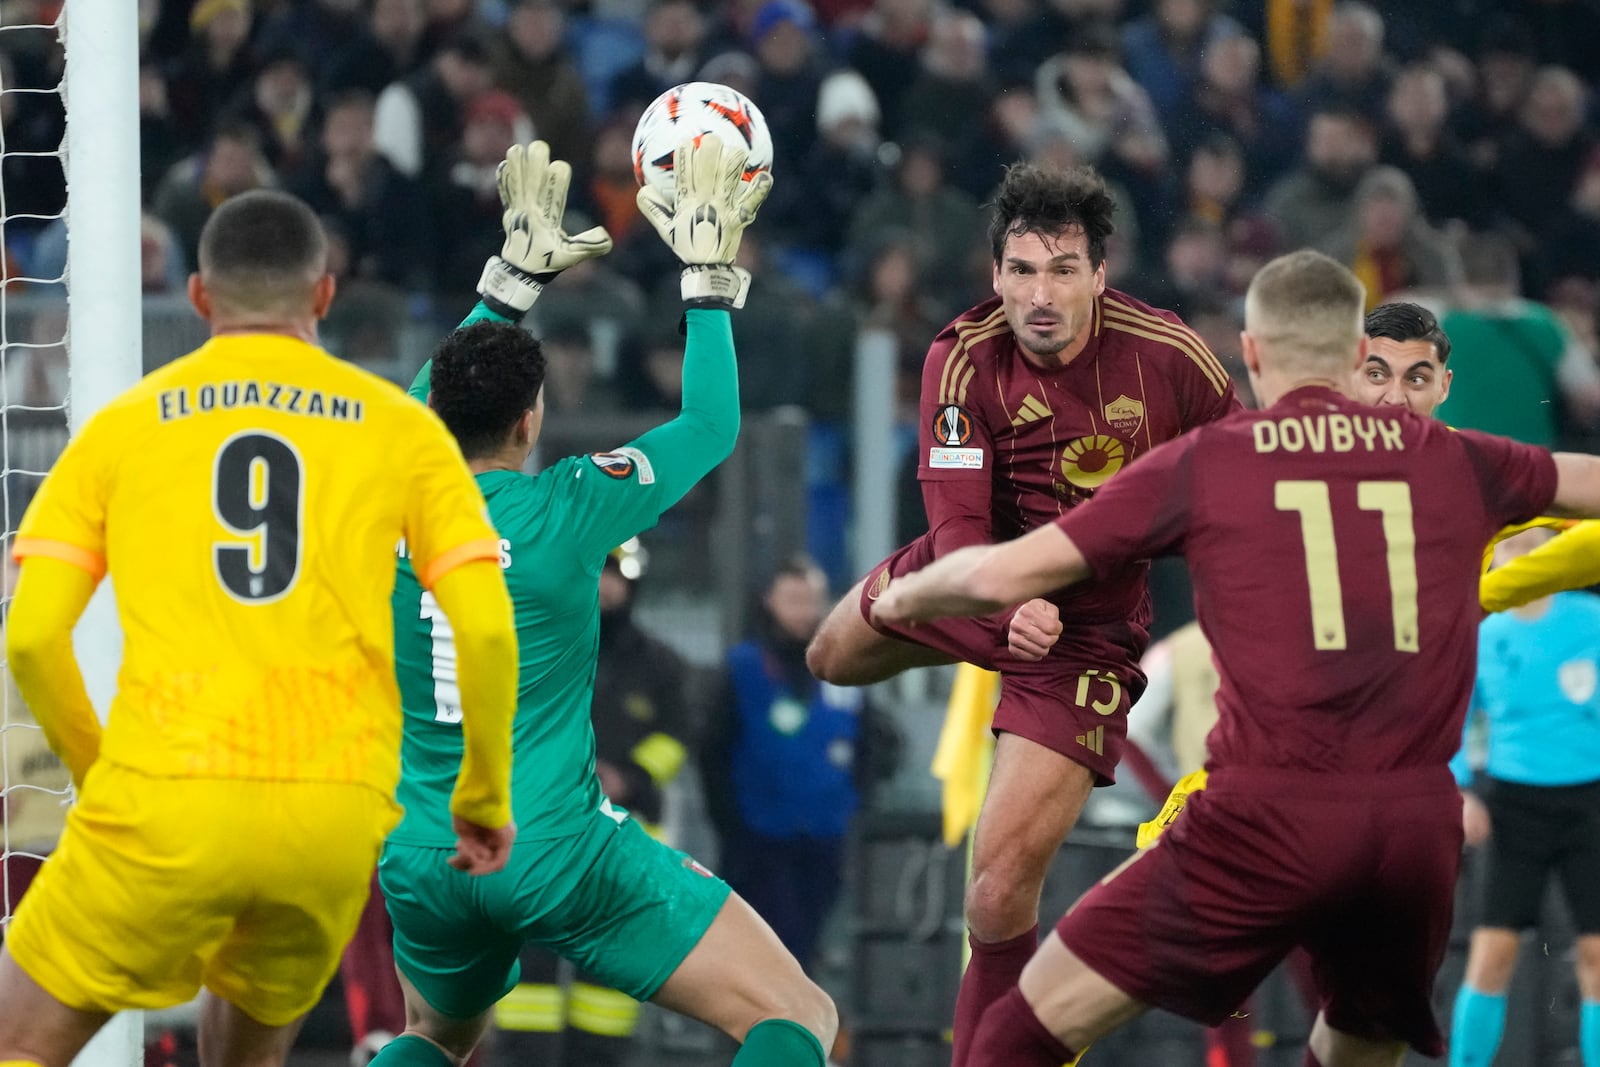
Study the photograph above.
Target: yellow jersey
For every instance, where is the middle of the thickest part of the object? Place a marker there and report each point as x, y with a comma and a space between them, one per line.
247, 501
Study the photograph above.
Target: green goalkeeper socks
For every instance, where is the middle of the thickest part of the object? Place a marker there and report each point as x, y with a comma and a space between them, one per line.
780, 1043
409, 1050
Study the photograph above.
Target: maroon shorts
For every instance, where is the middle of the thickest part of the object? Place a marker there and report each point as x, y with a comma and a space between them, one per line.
1074, 701
1360, 870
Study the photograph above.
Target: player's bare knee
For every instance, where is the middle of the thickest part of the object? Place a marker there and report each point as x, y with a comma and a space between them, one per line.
999, 908
810, 1006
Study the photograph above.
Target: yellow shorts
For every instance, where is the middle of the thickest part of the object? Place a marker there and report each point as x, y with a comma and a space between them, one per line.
162, 885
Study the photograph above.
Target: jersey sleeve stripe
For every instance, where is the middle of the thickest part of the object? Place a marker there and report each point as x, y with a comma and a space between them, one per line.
450, 559
1182, 337
92, 562
952, 370
1217, 377
966, 380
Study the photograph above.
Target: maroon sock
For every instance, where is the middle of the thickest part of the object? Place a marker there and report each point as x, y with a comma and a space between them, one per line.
1011, 1035
993, 970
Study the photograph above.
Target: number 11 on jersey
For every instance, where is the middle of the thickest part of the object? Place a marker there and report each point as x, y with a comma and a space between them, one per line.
1392, 500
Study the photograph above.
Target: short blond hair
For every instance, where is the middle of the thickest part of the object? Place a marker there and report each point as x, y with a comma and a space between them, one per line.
1305, 312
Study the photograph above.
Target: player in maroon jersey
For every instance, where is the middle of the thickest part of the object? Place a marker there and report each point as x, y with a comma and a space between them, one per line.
1335, 550
1030, 402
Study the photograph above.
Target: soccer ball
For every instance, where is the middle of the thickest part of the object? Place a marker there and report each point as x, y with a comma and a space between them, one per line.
689, 110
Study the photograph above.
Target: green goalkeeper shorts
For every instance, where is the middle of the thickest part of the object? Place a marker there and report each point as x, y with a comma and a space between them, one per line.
622, 906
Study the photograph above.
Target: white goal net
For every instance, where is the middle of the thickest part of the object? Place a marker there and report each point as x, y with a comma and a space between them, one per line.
69, 220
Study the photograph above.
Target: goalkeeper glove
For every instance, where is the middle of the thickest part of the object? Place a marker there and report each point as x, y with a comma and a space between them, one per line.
704, 217
533, 191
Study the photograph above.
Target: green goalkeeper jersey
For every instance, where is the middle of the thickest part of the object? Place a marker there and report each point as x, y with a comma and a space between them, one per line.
556, 528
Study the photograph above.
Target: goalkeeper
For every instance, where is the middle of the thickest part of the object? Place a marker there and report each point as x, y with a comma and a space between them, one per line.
586, 882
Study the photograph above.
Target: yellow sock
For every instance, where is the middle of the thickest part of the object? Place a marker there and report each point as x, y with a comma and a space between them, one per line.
20, 1063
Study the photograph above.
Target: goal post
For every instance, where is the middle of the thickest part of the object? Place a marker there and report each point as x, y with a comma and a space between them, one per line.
100, 158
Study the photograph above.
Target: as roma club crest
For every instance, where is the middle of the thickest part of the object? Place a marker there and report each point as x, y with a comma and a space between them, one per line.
1125, 414
952, 427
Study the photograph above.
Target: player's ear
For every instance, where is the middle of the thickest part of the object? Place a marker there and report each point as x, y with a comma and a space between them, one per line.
1100, 278
1445, 378
1249, 352
322, 296
995, 283
199, 297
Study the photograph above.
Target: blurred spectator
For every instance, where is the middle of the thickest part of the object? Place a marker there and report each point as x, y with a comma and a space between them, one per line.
944, 221
886, 50
1028, 32
1295, 34
1353, 70
214, 69
1050, 144
462, 186
364, 323
783, 36
593, 293
675, 34
1315, 200
534, 64
1109, 116
572, 383
386, 49
1517, 368
1230, 98
1388, 243
1194, 271
883, 292
737, 70
652, 378
230, 163
1565, 33
321, 32
419, 118
160, 140
995, 139
608, 196
952, 89
1572, 250
280, 104
1540, 160
1162, 49
779, 765
838, 175
380, 211
1420, 142
447, 22
1505, 67
34, 186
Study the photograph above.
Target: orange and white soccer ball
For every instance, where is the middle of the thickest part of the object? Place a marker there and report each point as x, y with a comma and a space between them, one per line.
690, 110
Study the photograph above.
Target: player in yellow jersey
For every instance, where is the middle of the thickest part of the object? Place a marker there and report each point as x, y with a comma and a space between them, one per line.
247, 501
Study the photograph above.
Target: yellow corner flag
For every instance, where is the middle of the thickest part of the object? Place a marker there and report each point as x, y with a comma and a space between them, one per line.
966, 746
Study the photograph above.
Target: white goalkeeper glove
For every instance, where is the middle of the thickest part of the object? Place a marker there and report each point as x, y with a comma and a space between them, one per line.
533, 191
702, 221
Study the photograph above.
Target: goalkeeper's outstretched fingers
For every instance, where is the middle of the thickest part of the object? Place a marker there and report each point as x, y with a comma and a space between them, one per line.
702, 221
533, 193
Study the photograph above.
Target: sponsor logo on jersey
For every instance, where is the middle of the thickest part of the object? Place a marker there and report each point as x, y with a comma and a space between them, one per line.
952, 426
1032, 410
955, 458
1094, 740
879, 584
1088, 462
615, 465
1125, 414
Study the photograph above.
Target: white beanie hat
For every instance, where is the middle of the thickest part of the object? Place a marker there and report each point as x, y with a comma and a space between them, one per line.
845, 95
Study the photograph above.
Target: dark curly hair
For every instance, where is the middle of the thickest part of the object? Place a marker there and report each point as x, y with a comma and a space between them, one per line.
484, 377
1400, 321
1046, 201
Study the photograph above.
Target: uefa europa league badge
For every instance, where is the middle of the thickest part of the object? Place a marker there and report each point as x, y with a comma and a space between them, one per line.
952, 426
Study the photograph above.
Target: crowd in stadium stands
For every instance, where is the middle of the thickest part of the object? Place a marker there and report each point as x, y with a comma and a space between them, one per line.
1232, 130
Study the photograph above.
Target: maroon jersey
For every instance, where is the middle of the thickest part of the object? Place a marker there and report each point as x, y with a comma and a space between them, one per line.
1335, 550
1006, 446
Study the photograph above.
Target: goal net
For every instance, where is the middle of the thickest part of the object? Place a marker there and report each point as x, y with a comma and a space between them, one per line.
69, 342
